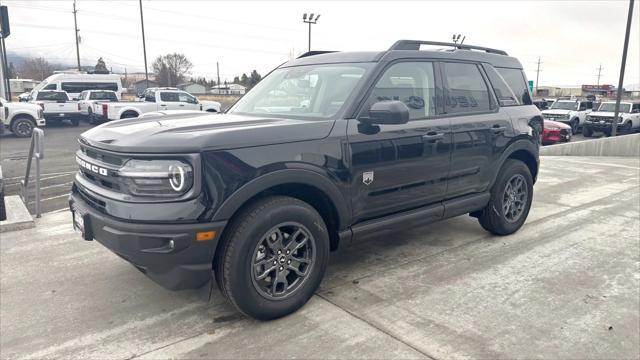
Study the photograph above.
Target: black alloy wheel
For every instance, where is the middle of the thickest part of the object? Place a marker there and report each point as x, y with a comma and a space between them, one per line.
514, 198
282, 260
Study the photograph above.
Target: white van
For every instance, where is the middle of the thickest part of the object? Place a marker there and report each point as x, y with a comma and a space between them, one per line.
75, 83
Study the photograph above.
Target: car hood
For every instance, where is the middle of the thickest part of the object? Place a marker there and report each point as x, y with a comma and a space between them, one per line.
556, 112
557, 124
191, 133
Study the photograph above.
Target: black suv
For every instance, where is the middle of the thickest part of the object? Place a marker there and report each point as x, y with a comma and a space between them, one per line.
328, 148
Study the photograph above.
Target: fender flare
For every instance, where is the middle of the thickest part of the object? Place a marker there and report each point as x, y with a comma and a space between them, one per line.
21, 114
298, 176
521, 144
128, 108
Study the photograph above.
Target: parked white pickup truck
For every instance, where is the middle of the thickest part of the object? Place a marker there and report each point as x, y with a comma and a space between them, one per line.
571, 112
90, 102
56, 106
602, 120
20, 118
157, 99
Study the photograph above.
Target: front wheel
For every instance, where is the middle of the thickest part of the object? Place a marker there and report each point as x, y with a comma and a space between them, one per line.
22, 127
627, 128
575, 124
587, 132
273, 257
511, 197
75, 122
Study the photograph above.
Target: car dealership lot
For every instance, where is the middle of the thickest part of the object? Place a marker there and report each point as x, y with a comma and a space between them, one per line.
565, 286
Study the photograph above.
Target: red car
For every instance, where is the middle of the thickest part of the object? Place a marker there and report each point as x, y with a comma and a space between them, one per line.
555, 132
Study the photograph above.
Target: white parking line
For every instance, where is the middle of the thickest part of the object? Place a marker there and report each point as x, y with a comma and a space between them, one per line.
56, 173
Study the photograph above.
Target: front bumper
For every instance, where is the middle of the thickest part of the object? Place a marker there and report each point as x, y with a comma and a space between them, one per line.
168, 253
598, 126
41, 122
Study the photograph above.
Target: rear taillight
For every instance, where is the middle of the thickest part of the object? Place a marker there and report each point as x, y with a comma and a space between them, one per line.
104, 109
78, 106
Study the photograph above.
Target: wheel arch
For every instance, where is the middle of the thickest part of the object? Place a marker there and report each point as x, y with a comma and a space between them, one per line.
523, 150
306, 185
22, 115
129, 111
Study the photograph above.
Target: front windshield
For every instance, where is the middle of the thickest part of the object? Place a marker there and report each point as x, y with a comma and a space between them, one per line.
313, 91
611, 107
565, 105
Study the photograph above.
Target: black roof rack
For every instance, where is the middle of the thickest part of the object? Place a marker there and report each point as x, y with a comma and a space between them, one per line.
415, 45
315, 52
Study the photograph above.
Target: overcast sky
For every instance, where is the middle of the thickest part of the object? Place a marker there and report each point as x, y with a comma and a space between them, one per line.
573, 38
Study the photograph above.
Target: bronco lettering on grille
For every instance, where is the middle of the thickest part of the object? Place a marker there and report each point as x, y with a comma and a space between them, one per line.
91, 167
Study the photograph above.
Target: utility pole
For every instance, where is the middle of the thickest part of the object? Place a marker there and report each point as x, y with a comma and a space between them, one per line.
75, 22
310, 21
2, 77
218, 71
537, 76
144, 48
614, 126
599, 73
5, 31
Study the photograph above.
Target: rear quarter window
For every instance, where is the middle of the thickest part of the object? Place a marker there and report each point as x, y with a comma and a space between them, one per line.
518, 83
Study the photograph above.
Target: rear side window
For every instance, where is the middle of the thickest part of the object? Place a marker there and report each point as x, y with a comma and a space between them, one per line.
467, 91
518, 83
504, 93
50, 87
169, 96
76, 87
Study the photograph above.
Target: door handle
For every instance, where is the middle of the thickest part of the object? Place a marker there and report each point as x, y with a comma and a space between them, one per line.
181, 104
497, 129
433, 136
163, 104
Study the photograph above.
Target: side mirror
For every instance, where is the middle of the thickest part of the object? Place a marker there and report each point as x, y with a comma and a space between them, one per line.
390, 112
75, 99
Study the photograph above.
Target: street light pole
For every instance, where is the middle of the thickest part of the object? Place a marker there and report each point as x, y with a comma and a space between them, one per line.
310, 20
614, 123
144, 49
75, 25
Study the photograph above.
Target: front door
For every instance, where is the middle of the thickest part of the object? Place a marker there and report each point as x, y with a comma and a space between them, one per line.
188, 102
400, 167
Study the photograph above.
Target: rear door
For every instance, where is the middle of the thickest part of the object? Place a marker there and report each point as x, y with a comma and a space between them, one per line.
400, 167
479, 128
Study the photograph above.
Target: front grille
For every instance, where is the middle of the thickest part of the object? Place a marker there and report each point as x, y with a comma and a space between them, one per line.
92, 201
104, 160
601, 118
555, 116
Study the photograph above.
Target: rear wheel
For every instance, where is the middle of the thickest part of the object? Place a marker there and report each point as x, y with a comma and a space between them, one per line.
273, 257
75, 121
510, 201
626, 129
22, 127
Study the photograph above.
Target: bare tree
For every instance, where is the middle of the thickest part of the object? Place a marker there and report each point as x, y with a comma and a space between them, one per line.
36, 68
171, 69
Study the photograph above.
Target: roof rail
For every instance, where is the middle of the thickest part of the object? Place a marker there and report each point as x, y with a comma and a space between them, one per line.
415, 45
315, 52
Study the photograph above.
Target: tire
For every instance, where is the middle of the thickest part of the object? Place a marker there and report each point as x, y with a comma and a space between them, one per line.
492, 218
587, 132
627, 128
90, 116
250, 236
212, 111
75, 122
575, 125
22, 127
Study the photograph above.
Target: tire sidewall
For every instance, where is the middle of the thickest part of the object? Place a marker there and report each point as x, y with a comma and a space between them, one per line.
511, 168
238, 261
17, 123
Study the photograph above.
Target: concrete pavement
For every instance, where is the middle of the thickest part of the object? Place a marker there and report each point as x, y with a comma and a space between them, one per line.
567, 285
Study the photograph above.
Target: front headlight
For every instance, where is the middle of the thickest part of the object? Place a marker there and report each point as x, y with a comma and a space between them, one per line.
568, 116
156, 178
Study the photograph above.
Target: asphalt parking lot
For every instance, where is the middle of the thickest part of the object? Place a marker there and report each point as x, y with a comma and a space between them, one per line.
565, 286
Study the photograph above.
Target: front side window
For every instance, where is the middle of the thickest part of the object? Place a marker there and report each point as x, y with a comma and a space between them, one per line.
186, 98
149, 96
467, 91
311, 91
413, 83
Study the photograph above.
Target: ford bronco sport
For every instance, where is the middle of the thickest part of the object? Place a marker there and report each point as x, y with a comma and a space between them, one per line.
329, 148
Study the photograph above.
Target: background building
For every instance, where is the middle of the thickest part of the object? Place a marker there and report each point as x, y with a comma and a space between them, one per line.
193, 88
